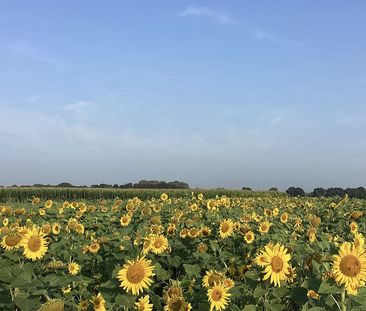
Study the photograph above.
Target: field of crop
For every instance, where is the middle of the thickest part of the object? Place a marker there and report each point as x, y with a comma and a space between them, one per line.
188, 252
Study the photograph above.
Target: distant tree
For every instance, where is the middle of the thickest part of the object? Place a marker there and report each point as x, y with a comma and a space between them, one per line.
318, 192
335, 191
274, 189
246, 188
295, 191
65, 184
359, 193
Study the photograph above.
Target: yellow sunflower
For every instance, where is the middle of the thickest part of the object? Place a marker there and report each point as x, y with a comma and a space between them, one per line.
11, 241
125, 220
249, 237
135, 275
53, 305
143, 304
35, 244
56, 228
226, 228
264, 227
73, 268
98, 303
159, 244
349, 267
284, 218
164, 197
276, 263
354, 227
48, 204
212, 277
218, 297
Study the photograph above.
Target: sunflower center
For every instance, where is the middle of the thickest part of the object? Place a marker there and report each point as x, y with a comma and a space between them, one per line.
350, 266
225, 227
135, 274
216, 295
176, 305
276, 264
12, 240
34, 243
158, 243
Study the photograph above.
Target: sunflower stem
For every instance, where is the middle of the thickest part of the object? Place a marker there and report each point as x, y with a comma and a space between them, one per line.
343, 300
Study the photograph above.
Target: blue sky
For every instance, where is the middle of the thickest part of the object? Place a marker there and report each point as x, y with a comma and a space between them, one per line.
215, 93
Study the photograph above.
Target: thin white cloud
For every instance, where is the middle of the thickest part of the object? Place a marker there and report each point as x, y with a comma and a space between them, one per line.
216, 15
275, 120
79, 110
276, 38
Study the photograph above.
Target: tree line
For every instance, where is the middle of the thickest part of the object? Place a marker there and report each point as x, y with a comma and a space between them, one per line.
359, 192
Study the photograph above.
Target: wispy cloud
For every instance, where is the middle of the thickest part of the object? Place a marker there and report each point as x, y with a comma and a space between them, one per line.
216, 15
79, 110
273, 37
275, 120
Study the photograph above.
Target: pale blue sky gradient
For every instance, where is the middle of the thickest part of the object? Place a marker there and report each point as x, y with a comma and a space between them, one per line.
218, 94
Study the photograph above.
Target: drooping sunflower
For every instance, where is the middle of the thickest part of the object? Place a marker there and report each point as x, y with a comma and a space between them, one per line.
73, 268
53, 305
354, 227
11, 241
143, 304
226, 228
159, 244
212, 277
174, 290
177, 304
218, 297
249, 237
35, 244
276, 263
98, 302
135, 275
349, 267
359, 241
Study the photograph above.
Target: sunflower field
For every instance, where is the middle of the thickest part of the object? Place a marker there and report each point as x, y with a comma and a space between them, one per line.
183, 253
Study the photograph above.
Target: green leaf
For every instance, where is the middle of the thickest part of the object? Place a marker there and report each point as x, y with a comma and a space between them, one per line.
250, 308
299, 295
280, 292
24, 302
24, 280
192, 270
258, 292
329, 287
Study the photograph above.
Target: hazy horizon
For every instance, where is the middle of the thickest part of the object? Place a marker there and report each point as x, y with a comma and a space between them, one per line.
216, 94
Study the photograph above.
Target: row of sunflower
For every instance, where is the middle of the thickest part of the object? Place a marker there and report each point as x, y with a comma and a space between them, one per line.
226, 253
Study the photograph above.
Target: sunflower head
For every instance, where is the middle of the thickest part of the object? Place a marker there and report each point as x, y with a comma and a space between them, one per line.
35, 244
136, 275
218, 297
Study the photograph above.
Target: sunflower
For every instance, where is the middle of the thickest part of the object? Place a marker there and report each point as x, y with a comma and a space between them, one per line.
73, 268
48, 204
354, 227
275, 260
218, 297
212, 277
159, 244
164, 197
36, 201
177, 304
264, 227
349, 267
125, 220
359, 241
53, 305
94, 247
98, 303
56, 228
174, 290
135, 275
143, 304
284, 218
313, 294
249, 237
226, 228
35, 244
10, 241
